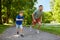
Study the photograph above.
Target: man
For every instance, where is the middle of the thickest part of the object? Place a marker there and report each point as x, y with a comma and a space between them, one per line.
19, 20
37, 17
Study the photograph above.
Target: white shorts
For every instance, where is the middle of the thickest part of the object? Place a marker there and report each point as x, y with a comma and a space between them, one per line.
19, 26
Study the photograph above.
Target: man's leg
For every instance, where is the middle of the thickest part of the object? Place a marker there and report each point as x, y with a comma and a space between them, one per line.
39, 25
33, 23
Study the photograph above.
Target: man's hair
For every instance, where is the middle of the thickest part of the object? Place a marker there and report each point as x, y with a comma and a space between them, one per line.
40, 5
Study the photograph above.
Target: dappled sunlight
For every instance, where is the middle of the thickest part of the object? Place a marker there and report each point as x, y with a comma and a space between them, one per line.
7, 24
30, 19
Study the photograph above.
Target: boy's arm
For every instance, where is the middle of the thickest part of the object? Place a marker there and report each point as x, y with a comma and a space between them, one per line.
19, 19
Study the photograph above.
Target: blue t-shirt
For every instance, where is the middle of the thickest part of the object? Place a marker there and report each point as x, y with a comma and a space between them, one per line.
19, 22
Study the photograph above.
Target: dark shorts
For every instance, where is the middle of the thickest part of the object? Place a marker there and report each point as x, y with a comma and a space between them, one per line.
37, 21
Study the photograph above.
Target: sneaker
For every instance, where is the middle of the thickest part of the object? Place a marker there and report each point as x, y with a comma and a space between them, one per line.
16, 35
17, 32
22, 35
38, 31
30, 28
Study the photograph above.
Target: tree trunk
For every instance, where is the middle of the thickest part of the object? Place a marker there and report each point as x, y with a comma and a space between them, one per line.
0, 13
7, 18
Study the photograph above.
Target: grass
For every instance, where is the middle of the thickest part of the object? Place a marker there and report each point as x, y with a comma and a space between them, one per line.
51, 29
3, 28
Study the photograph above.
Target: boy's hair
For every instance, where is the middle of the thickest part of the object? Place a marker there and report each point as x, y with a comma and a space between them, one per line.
40, 5
21, 12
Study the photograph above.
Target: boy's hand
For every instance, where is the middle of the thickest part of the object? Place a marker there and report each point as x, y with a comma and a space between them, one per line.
21, 19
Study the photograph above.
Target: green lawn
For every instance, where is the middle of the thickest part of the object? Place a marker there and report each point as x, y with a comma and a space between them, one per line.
51, 29
3, 28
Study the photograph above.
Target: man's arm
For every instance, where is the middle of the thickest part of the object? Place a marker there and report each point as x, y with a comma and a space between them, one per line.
41, 18
33, 17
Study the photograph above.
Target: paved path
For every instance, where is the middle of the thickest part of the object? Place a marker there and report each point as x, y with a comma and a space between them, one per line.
10, 33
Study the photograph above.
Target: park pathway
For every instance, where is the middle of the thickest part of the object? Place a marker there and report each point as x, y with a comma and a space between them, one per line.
10, 33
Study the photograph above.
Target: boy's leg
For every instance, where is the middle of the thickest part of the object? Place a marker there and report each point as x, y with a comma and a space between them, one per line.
17, 29
21, 30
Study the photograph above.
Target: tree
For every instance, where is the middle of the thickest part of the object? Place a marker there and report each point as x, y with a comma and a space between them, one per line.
0, 13
12, 7
56, 10
47, 17
6, 4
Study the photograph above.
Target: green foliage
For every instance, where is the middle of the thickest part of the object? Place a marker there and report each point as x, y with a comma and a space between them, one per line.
55, 29
51, 29
10, 8
47, 17
28, 16
56, 9
3, 28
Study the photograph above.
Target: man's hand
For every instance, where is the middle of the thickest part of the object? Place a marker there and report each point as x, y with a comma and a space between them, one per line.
33, 17
34, 20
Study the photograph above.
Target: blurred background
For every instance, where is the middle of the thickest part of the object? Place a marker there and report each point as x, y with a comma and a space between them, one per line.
9, 9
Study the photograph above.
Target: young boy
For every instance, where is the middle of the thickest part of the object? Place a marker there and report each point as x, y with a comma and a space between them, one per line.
37, 17
19, 20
